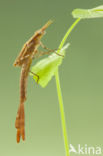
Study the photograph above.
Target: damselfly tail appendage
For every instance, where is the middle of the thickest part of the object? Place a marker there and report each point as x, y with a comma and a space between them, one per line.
20, 123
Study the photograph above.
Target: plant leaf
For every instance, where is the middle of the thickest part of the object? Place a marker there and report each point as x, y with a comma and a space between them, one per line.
46, 68
88, 13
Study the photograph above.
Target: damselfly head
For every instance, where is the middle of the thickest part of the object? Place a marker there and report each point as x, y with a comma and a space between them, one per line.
46, 25
41, 32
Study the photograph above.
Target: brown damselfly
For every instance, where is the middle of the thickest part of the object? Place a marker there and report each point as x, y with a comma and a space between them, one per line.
24, 60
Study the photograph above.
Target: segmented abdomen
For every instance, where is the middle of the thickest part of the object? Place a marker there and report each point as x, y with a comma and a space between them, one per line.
23, 79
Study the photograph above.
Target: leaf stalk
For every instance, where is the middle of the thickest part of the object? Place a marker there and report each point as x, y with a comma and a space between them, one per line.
61, 106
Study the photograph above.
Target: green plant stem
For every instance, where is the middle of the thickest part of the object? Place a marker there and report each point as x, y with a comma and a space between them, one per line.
68, 33
60, 93
62, 113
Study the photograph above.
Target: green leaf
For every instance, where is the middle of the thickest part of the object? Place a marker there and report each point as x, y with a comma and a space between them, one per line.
46, 68
88, 13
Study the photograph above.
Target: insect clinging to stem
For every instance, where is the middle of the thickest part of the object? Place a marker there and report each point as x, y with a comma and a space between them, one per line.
24, 60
